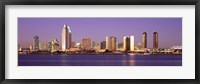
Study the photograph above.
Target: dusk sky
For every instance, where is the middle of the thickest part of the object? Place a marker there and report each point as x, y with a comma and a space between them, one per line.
169, 29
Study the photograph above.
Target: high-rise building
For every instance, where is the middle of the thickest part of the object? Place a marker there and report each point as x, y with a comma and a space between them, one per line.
35, 43
114, 43
49, 45
103, 45
111, 43
126, 43
132, 43
54, 45
66, 37
87, 43
144, 40
155, 40
108, 43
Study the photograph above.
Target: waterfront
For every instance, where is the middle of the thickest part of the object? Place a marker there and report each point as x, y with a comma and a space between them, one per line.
98, 60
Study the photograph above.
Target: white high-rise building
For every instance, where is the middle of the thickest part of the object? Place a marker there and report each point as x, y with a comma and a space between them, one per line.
66, 38
132, 43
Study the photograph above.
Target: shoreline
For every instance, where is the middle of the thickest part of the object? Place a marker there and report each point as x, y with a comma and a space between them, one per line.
90, 54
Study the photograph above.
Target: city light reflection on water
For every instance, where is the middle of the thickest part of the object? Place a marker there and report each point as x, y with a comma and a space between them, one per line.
99, 60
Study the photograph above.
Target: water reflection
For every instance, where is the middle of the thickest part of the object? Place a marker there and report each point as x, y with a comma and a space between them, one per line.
99, 60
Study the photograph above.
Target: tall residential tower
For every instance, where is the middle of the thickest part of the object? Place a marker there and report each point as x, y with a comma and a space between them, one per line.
155, 40
132, 46
66, 38
126, 43
144, 40
111, 43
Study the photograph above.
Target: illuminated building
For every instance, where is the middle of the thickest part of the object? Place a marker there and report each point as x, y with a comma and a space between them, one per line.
114, 42
132, 43
126, 43
35, 43
66, 38
87, 43
155, 40
78, 45
144, 40
111, 43
55, 45
108, 43
31, 48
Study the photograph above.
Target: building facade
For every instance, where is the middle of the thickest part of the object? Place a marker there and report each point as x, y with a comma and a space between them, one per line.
66, 38
144, 40
36, 43
155, 40
111, 43
126, 43
132, 46
54, 45
49, 45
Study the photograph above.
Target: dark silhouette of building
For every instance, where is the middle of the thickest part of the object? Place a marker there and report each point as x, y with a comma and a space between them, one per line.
144, 40
103, 45
126, 43
155, 40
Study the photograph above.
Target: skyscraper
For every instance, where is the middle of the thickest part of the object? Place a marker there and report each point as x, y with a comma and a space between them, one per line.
155, 40
87, 43
126, 43
132, 43
108, 43
144, 40
111, 43
66, 37
35, 43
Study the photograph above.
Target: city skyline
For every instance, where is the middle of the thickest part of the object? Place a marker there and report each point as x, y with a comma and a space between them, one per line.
174, 35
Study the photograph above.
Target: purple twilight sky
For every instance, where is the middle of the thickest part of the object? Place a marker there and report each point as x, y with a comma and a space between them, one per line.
169, 29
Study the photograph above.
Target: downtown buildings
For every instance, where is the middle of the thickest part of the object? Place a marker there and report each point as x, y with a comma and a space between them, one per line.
128, 43
66, 37
111, 43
